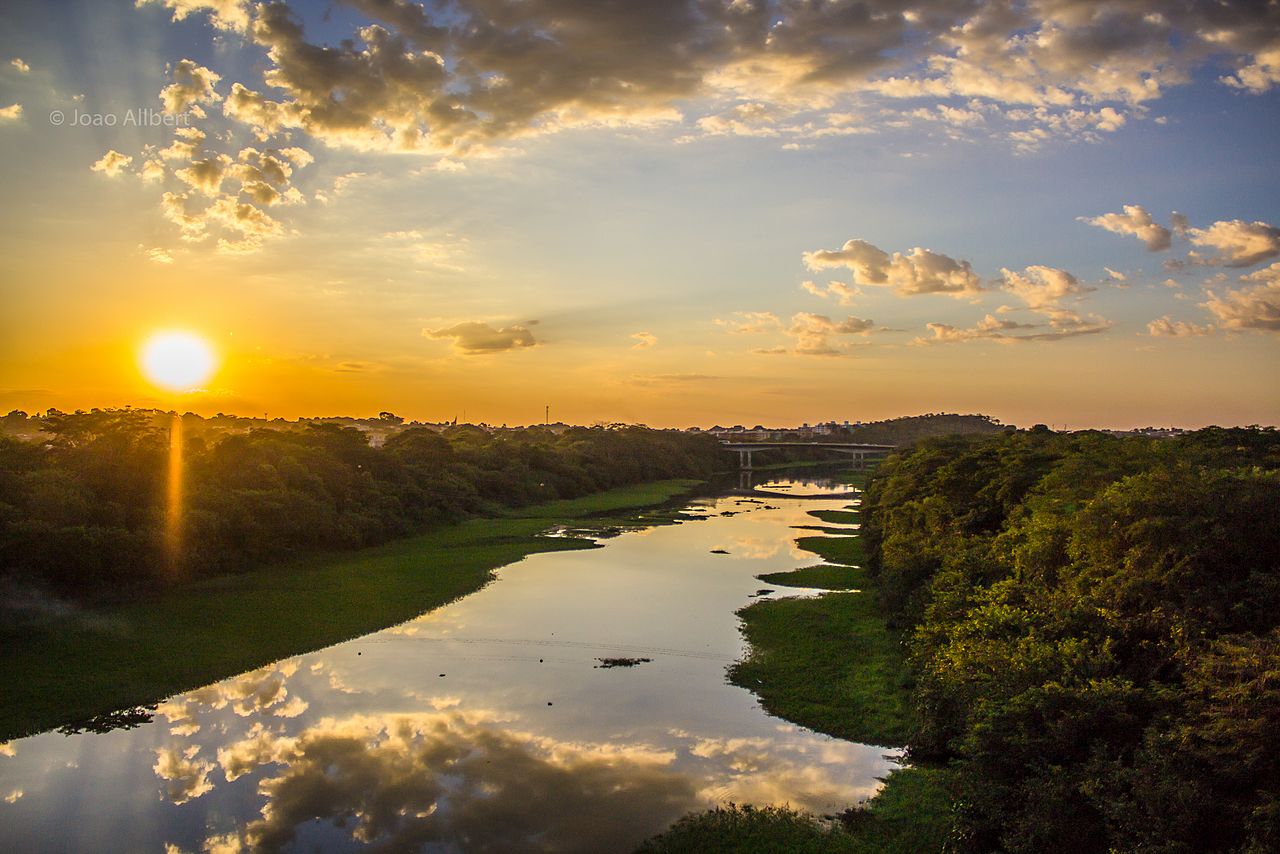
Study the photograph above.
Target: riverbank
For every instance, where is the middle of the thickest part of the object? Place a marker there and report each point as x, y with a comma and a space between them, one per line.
97, 662
830, 663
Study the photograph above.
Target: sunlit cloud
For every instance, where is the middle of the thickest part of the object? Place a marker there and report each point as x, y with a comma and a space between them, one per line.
1134, 221
1167, 327
112, 164
918, 271
1042, 287
843, 293
192, 84
1255, 307
1236, 243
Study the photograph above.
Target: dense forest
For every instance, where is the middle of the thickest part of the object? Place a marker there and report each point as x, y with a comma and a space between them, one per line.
1093, 624
82, 506
912, 428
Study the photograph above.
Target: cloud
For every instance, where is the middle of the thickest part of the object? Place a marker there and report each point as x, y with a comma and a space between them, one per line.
844, 294
157, 255
644, 340
112, 163
192, 84
1237, 243
205, 174
919, 271
473, 337
672, 379
11, 113
224, 14
1259, 75
1062, 324
751, 322
1180, 224
457, 75
236, 189
1042, 287
1234, 243
813, 333
1252, 308
1134, 221
1167, 327
22, 67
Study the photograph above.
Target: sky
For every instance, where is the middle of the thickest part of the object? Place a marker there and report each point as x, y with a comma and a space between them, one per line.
671, 212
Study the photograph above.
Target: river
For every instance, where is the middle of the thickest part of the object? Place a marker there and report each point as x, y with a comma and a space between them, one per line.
487, 725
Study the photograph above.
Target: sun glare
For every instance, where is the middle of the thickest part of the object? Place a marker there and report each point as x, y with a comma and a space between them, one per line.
178, 361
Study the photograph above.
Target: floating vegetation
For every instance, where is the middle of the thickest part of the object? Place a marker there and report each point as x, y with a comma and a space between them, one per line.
606, 663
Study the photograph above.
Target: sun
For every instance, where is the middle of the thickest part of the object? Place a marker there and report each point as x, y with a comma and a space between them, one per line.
178, 361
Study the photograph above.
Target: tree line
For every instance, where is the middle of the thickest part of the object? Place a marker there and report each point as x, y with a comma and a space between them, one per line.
82, 507
1093, 626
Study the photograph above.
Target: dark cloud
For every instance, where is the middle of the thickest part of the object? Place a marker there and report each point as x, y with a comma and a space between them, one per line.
475, 337
452, 74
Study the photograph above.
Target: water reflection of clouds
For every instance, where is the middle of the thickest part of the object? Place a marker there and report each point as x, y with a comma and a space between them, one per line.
754, 548
251, 694
404, 781
184, 774
401, 782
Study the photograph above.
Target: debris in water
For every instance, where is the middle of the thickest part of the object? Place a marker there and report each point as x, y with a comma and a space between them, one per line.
606, 663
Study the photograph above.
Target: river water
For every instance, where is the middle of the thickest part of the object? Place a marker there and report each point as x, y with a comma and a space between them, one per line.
484, 726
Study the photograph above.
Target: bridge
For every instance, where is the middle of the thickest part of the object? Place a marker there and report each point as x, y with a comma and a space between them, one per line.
858, 451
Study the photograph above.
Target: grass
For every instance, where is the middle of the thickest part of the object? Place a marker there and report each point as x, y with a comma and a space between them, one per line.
130, 655
836, 517
910, 815
820, 577
828, 663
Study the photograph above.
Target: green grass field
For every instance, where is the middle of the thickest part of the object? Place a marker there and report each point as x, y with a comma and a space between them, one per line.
836, 517
820, 577
129, 655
